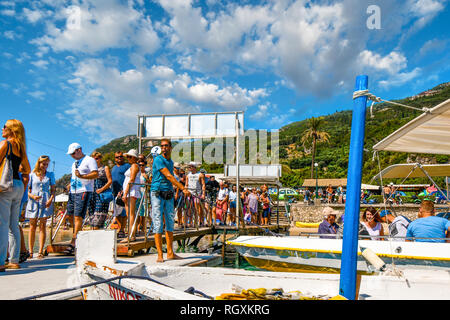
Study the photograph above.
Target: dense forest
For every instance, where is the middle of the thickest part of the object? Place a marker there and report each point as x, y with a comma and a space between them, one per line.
296, 151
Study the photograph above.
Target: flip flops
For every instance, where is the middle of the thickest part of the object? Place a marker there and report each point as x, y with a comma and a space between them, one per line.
70, 250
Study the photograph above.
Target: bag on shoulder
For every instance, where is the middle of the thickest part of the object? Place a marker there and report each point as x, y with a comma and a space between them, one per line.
6, 171
106, 196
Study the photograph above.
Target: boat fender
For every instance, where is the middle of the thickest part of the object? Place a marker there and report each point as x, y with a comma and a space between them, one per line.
373, 259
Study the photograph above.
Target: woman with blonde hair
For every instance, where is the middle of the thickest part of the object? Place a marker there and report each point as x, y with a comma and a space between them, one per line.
101, 184
131, 192
13, 148
41, 192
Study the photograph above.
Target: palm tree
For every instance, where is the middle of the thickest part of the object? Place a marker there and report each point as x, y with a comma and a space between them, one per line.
313, 135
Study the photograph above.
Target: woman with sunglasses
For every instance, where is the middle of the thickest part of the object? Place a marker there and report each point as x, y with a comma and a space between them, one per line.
13, 147
101, 184
41, 192
131, 192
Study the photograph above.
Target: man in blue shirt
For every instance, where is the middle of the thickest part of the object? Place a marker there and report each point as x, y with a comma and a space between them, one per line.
162, 198
428, 226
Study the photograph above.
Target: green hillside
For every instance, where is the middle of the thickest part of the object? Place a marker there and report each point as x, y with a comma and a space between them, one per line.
332, 157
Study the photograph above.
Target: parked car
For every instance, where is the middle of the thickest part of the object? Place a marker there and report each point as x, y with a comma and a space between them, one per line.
286, 193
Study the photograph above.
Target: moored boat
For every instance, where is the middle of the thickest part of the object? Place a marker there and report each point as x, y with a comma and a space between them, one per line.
301, 254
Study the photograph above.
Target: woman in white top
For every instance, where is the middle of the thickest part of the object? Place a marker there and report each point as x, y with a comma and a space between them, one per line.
372, 222
41, 192
131, 192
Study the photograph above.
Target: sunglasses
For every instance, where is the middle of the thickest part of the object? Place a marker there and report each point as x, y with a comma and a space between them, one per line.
119, 157
99, 158
165, 146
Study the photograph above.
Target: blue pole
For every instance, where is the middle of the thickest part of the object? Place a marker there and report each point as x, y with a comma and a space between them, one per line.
347, 286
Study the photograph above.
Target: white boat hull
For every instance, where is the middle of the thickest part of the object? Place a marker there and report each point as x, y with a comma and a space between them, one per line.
297, 254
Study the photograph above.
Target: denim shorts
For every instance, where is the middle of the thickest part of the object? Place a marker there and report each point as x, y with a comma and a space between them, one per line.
78, 204
160, 208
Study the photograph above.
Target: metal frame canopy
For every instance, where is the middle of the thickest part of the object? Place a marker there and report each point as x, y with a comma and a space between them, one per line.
428, 133
191, 125
413, 170
254, 174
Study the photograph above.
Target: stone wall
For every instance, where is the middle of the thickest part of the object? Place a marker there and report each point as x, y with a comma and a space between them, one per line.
315, 213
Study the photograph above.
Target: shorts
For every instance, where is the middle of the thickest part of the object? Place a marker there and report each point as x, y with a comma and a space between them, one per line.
98, 220
162, 207
78, 204
233, 205
266, 213
211, 199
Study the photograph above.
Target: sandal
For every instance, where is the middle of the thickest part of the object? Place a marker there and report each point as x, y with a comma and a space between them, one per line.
40, 256
24, 256
70, 250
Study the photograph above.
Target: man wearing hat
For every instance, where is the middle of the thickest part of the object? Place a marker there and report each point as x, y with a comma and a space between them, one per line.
84, 172
328, 225
397, 225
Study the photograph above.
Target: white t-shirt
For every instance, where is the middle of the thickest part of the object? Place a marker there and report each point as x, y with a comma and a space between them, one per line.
223, 193
399, 227
232, 195
84, 166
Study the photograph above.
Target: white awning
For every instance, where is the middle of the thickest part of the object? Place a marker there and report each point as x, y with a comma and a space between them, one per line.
404, 170
428, 133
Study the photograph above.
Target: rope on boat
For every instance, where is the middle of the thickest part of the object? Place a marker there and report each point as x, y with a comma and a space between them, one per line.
190, 290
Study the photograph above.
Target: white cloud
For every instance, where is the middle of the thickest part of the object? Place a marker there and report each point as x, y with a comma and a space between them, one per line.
37, 94
400, 79
40, 64
392, 63
120, 95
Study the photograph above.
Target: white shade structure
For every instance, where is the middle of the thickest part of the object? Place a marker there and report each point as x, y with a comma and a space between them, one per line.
428, 133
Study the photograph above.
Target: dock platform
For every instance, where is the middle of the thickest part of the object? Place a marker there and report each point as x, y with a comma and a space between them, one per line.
180, 235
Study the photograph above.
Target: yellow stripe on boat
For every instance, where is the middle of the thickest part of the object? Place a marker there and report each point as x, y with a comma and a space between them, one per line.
299, 224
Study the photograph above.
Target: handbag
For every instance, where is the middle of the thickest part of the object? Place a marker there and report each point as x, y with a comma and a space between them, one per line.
6, 171
106, 196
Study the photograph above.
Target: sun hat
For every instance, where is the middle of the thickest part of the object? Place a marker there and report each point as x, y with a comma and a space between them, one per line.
73, 147
192, 164
330, 211
132, 153
384, 213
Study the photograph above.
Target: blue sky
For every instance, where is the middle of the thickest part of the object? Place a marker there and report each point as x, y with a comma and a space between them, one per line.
83, 70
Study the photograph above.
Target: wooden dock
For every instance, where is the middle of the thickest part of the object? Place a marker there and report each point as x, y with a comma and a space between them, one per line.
182, 236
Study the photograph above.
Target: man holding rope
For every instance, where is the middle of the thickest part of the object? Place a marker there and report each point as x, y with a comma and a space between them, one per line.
162, 199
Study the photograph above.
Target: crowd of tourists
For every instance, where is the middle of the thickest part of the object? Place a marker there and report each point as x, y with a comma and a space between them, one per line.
150, 187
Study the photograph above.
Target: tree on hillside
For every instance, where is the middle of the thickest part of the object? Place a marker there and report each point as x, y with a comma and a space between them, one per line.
313, 135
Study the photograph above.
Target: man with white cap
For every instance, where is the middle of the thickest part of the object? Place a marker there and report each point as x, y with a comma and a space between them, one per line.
84, 172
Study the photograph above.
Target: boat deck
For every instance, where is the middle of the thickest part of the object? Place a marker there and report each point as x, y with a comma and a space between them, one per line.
56, 272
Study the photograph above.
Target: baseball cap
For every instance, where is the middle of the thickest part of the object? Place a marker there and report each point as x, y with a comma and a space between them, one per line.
384, 213
73, 147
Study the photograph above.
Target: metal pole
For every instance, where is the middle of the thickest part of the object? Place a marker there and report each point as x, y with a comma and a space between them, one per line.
349, 257
237, 171
317, 182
